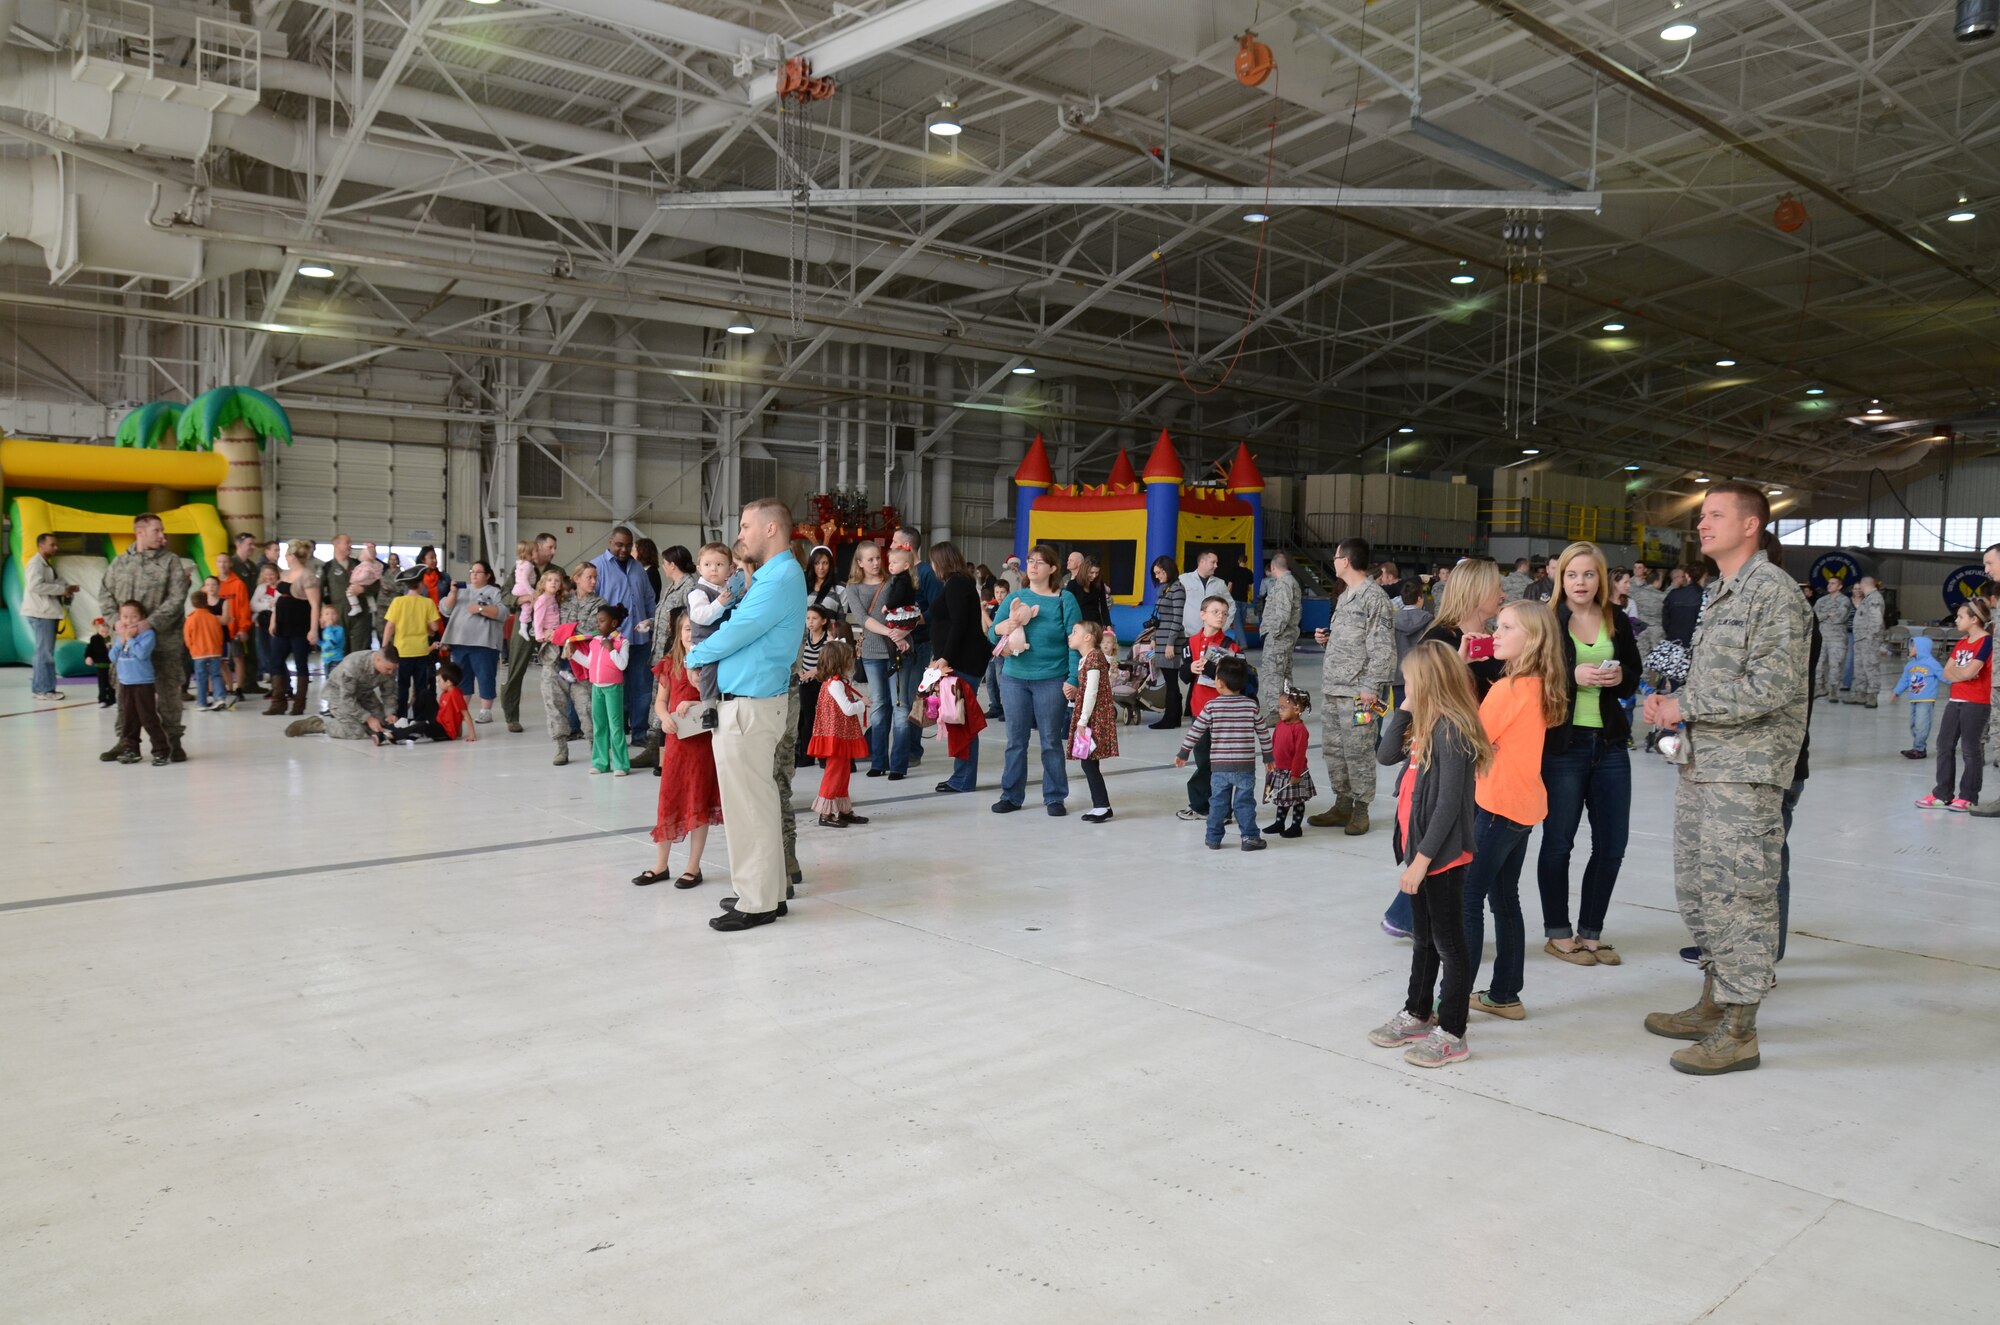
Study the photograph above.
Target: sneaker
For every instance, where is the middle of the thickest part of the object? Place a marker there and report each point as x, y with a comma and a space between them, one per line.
1438, 1048
1254, 844
1401, 1029
1393, 932
1190, 815
159, 761
1692, 956
1930, 803
1215, 845
1915, 754
1960, 805
1004, 807
621, 773
484, 715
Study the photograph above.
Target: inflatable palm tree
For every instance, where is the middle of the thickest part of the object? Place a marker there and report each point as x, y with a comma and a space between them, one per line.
153, 427
234, 421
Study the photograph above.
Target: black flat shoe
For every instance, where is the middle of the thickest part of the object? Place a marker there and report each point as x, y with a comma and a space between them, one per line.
1097, 816
646, 878
689, 880
729, 904
1004, 807
1056, 810
1162, 726
878, 772
897, 777
731, 921
831, 821
946, 788
847, 819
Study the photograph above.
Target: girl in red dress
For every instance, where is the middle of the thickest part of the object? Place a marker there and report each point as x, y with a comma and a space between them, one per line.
837, 735
690, 797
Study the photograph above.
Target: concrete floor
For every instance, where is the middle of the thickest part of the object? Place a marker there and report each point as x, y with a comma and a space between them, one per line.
399, 1042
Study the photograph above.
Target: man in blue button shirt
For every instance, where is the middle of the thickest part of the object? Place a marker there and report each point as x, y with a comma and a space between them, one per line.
754, 652
621, 579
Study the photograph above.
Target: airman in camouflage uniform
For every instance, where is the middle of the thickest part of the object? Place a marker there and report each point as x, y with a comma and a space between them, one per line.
148, 574
1514, 585
1744, 707
1834, 610
1360, 662
1649, 604
558, 681
1868, 610
362, 686
1280, 626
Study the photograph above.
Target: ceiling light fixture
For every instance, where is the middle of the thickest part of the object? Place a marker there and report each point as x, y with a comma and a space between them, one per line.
1464, 278
1631, 469
740, 327
1256, 218
1815, 390
1614, 326
483, 2
1024, 370
317, 271
1701, 478
1874, 409
1529, 450
944, 121
1678, 32
1406, 429
1725, 363
1774, 492
1964, 213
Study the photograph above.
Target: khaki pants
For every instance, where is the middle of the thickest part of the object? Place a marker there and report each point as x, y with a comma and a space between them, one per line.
746, 741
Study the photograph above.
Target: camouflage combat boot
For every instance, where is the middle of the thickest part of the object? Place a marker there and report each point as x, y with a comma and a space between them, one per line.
1695, 1022
1730, 1047
562, 754
1357, 822
305, 727
1337, 817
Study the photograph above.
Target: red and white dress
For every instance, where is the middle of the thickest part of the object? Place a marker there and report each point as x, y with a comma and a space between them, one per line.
690, 796
838, 739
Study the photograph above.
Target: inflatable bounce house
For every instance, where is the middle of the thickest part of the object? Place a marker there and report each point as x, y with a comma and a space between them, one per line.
193, 466
1130, 520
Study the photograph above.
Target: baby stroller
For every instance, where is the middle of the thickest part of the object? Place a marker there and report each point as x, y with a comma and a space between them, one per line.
1149, 683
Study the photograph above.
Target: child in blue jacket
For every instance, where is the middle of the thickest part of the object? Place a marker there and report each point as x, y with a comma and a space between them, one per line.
1920, 681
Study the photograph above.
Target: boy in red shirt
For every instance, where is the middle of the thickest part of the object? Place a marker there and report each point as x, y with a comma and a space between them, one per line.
451, 724
1204, 651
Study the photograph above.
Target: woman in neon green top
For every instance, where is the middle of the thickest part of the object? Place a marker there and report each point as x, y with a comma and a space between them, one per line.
1586, 762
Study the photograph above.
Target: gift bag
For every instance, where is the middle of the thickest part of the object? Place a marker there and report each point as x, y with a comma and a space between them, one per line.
951, 708
1083, 745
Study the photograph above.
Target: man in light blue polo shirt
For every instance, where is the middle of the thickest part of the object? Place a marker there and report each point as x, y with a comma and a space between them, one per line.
754, 652
622, 579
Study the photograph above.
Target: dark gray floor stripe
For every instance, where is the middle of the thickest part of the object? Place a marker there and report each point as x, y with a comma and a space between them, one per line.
460, 853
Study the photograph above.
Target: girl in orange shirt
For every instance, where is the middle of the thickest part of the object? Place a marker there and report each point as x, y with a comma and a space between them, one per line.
1517, 713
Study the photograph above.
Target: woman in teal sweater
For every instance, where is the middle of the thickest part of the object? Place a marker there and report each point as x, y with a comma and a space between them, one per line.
1033, 684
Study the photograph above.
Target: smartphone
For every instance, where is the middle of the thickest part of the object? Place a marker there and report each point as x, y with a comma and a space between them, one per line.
1479, 648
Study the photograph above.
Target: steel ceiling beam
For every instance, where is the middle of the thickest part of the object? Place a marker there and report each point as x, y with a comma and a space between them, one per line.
671, 23
1143, 195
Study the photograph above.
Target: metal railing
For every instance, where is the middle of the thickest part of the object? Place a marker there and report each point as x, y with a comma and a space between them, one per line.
1559, 519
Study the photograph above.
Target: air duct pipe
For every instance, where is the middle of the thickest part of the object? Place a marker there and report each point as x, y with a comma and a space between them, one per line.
941, 454
1976, 19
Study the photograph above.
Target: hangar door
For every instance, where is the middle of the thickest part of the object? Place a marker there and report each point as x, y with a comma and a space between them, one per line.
390, 493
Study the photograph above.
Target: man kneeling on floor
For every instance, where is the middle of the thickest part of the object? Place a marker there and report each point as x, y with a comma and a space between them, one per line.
358, 695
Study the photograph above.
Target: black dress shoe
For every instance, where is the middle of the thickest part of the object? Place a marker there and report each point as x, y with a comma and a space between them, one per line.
1004, 807
731, 921
175, 754
1056, 810
1162, 726
897, 777
945, 787
729, 904
689, 880
878, 772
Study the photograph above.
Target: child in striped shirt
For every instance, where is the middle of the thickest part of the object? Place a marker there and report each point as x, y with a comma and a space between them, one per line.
1237, 742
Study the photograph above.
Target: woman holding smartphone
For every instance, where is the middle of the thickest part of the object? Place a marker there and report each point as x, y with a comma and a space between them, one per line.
1586, 762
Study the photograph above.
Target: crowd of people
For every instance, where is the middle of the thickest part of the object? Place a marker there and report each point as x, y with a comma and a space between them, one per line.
1501, 701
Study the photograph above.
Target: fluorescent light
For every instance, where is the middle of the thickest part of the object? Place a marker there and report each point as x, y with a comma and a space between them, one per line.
1701, 478
1631, 469
1678, 32
1961, 216
1614, 326
1725, 363
317, 271
1529, 450
1406, 429
1256, 218
1815, 390
740, 328
482, 2
1464, 278
1874, 409
1024, 370
1773, 492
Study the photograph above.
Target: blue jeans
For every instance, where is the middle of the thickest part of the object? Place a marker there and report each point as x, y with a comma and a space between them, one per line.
1037, 706
965, 772
889, 729
1500, 849
1237, 790
996, 708
44, 631
482, 667
907, 680
207, 675
1593, 774
638, 684
1921, 715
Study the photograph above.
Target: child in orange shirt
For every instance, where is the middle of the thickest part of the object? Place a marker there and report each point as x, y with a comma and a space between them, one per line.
204, 629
